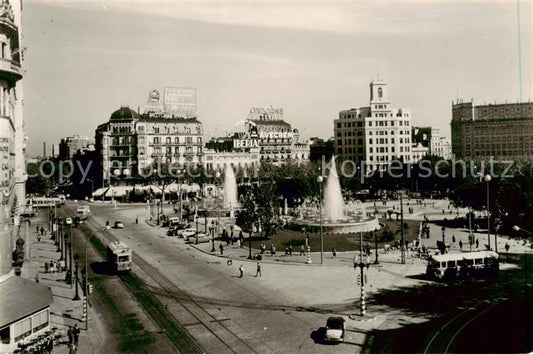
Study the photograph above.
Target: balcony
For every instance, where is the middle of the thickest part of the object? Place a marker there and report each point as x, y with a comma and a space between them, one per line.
177, 154
10, 70
157, 154
188, 153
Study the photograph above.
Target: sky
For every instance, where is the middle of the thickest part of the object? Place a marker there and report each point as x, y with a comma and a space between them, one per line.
86, 59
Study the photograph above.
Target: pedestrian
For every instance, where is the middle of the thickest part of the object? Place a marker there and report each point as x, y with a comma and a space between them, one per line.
70, 335
51, 266
241, 271
29, 222
507, 247
221, 246
37, 229
302, 250
42, 230
46, 267
76, 334
38, 238
273, 251
286, 251
477, 243
136, 220
36, 277
453, 238
290, 250
460, 245
334, 252
258, 272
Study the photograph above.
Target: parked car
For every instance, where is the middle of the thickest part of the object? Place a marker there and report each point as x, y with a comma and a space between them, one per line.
186, 233
202, 238
119, 224
335, 329
68, 221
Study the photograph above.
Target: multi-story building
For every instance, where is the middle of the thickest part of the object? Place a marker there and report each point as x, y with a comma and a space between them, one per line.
498, 131
266, 138
374, 135
440, 146
321, 149
129, 143
24, 305
71, 145
277, 141
418, 152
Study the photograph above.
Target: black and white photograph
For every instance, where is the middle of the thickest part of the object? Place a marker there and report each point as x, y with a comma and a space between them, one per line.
266, 176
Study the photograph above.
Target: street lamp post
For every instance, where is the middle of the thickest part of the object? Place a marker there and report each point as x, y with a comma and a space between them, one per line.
487, 179
402, 246
376, 242
86, 279
362, 262
443, 228
92, 186
320, 179
217, 198
77, 262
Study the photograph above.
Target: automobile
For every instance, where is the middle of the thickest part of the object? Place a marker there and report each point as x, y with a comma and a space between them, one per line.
119, 224
335, 329
202, 238
186, 233
68, 221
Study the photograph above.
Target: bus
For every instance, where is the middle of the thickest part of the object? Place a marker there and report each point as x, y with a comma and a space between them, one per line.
462, 265
119, 255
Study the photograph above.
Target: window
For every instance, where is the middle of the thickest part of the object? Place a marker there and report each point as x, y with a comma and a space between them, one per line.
22, 329
169, 140
176, 140
380, 93
156, 140
40, 320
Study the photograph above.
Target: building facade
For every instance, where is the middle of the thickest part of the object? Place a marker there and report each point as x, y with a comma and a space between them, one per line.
266, 137
71, 145
129, 143
24, 305
374, 135
278, 143
498, 131
440, 145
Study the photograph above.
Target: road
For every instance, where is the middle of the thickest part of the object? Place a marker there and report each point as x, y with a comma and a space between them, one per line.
224, 313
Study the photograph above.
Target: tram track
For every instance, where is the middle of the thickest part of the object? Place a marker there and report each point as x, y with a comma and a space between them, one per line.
176, 331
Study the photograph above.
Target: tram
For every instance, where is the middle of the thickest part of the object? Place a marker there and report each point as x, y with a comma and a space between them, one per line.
462, 265
44, 202
119, 255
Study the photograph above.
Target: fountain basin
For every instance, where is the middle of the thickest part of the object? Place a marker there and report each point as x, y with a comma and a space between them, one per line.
343, 226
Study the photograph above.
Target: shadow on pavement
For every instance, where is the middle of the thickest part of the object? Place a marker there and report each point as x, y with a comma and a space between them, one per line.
103, 268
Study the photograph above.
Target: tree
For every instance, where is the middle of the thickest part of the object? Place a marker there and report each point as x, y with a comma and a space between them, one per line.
247, 216
265, 199
37, 183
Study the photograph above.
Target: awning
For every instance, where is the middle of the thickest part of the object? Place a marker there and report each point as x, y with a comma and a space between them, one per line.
100, 191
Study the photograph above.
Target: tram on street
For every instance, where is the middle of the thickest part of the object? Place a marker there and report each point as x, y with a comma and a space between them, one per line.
119, 255
462, 265
44, 202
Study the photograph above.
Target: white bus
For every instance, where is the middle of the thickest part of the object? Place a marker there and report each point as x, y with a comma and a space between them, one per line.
119, 255
462, 265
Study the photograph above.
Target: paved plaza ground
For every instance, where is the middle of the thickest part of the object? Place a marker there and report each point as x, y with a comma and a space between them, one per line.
319, 288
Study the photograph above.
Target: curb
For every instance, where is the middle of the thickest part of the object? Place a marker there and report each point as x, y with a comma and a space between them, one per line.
280, 262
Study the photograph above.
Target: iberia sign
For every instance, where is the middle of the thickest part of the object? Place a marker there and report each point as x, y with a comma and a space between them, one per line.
245, 143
